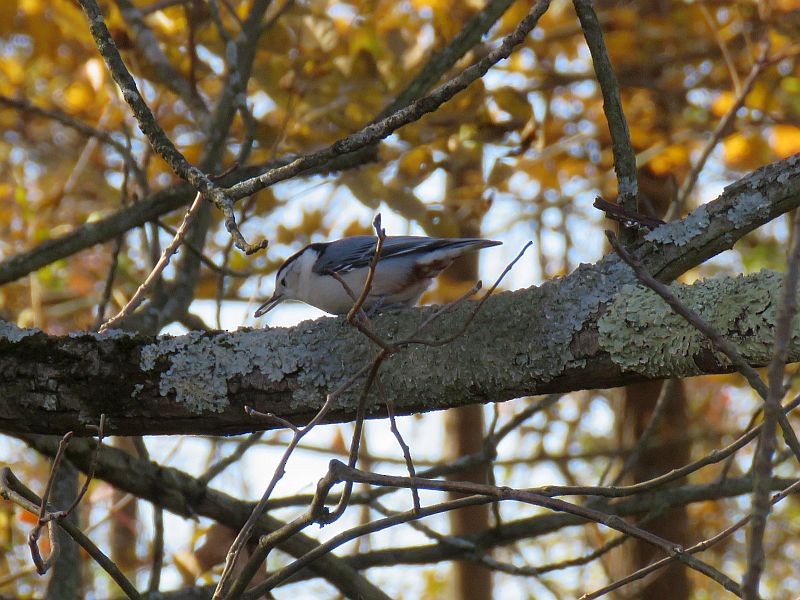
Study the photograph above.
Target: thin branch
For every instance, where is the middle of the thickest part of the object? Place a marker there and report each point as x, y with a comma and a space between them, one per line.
155, 274
82, 128
699, 547
664, 397
282, 575
722, 128
762, 462
155, 134
221, 269
233, 457
400, 442
12, 489
373, 264
339, 472
247, 529
384, 127
624, 156
157, 562
149, 47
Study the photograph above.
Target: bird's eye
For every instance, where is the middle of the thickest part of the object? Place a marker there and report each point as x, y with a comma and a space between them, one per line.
283, 281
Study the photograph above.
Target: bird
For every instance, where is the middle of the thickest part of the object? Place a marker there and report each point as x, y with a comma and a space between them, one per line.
406, 267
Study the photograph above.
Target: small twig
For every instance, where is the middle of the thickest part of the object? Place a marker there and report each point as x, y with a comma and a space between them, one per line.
234, 456
119, 242
699, 547
720, 130
400, 441
12, 489
339, 472
144, 116
663, 400
473, 314
82, 128
221, 269
157, 561
247, 529
258, 591
154, 275
624, 156
382, 128
762, 462
373, 264
327, 517
627, 217
272, 417
42, 566
90, 472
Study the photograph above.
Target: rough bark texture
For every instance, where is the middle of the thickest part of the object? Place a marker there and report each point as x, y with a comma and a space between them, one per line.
594, 328
535, 341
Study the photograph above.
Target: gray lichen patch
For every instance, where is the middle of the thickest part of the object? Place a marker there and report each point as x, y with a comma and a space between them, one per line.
749, 207
12, 333
199, 366
682, 232
642, 333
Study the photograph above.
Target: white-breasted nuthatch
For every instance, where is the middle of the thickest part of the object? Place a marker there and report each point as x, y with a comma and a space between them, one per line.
407, 265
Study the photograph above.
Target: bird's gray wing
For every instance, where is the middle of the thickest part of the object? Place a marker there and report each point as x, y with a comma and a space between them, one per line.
356, 252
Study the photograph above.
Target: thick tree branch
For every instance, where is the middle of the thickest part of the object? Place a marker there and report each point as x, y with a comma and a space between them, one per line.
587, 330
200, 383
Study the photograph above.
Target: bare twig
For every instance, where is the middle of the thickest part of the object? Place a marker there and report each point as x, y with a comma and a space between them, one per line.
247, 529
473, 314
233, 457
664, 396
147, 123
149, 47
373, 264
12, 489
154, 275
400, 441
82, 128
762, 462
384, 127
699, 547
221, 269
339, 472
624, 156
720, 130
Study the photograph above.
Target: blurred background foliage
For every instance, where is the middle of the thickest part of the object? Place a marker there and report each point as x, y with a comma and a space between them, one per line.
520, 154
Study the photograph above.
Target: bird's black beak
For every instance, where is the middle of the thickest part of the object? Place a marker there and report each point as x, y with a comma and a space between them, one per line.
269, 304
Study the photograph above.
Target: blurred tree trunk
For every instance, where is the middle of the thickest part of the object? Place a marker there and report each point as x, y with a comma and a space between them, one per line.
667, 450
668, 447
464, 427
124, 521
65, 575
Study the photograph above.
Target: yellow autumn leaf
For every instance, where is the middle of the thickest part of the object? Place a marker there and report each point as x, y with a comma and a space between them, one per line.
785, 140
745, 151
78, 96
514, 102
722, 104
32, 8
672, 159
415, 162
